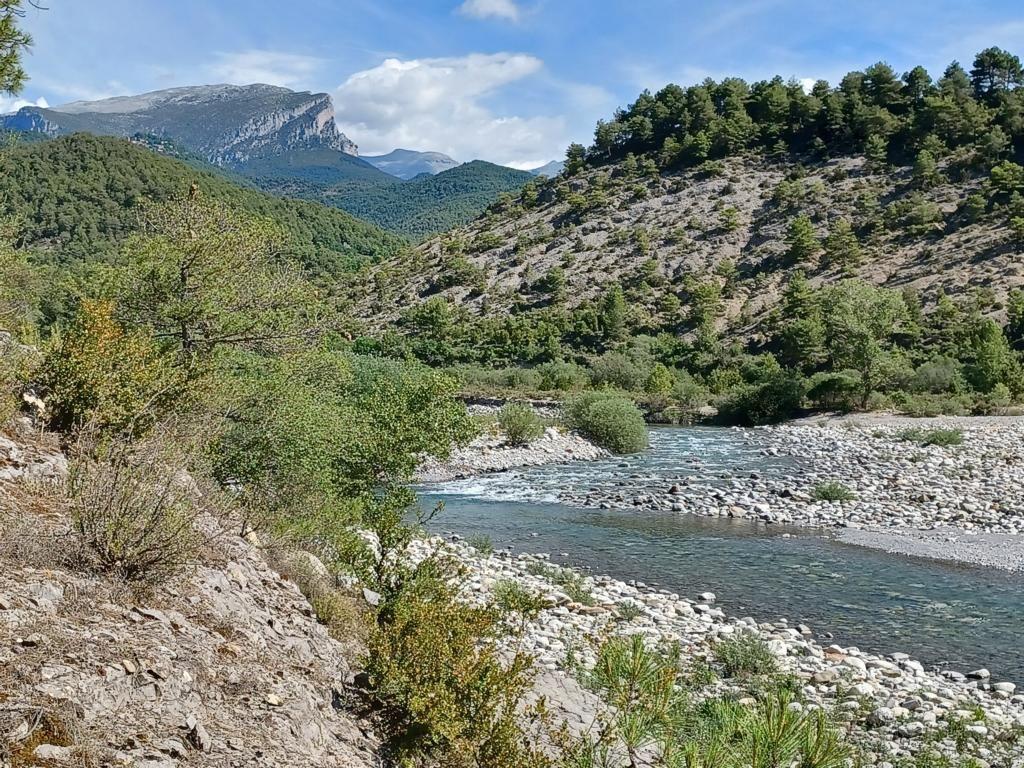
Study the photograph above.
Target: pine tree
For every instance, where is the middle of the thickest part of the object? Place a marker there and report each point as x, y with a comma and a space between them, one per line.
13, 43
842, 247
801, 241
926, 171
613, 314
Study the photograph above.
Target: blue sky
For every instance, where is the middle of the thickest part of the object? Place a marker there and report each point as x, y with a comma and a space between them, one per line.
511, 81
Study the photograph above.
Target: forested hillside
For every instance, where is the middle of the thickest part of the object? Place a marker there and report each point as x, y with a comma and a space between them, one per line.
718, 229
78, 197
422, 206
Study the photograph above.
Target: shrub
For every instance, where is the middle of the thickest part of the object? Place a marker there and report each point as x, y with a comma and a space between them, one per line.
839, 390
941, 374
133, 508
519, 423
17, 366
833, 491
511, 597
744, 655
102, 374
435, 663
562, 376
481, 543
614, 369
924, 404
774, 400
941, 437
612, 421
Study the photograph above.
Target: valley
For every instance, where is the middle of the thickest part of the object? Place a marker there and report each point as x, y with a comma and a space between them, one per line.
700, 448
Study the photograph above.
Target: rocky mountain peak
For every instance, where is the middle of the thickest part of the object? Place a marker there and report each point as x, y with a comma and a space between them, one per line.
225, 124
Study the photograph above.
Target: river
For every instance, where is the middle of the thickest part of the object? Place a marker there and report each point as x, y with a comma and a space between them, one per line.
943, 614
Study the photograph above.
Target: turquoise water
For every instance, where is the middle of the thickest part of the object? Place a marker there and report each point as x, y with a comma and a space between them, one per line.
946, 615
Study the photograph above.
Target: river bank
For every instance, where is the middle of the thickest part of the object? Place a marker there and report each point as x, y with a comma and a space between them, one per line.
893, 707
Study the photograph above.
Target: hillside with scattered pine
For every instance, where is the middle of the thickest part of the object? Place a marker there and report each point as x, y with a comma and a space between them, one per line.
711, 226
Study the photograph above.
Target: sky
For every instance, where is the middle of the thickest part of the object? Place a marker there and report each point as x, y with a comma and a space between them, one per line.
510, 81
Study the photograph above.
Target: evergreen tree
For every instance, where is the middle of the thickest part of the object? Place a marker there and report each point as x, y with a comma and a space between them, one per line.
575, 157
13, 44
995, 71
613, 314
800, 336
926, 171
842, 247
802, 243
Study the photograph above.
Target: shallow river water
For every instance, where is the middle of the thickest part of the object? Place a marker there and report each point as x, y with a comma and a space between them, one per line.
953, 616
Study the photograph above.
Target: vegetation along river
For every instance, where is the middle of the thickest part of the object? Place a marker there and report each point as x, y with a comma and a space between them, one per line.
944, 614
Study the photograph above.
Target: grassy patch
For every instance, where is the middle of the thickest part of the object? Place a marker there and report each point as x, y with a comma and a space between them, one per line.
942, 437
745, 655
833, 491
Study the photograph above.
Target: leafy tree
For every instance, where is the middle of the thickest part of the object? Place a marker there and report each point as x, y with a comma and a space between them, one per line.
660, 380
859, 322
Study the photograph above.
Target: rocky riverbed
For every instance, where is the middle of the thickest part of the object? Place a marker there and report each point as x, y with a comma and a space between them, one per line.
894, 708
492, 453
897, 486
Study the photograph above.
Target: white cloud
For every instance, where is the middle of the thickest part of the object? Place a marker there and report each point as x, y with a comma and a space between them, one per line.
484, 9
290, 70
807, 83
438, 104
8, 105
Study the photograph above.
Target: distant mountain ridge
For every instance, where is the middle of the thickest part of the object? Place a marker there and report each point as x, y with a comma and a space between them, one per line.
408, 164
550, 170
286, 143
224, 124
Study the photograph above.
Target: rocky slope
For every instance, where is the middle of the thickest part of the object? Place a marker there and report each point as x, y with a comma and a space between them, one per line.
226, 665
660, 235
225, 124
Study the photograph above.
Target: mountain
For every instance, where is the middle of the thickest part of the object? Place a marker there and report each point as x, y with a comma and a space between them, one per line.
224, 124
422, 206
78, 197
407, 163
549, 169
286, 143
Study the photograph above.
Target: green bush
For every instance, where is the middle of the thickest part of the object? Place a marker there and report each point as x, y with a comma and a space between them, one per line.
450, 694
925, 404
617, 370
481, 543
777, 399
744, 655
562, 376
612, 421
940, 436
519, 423
104, 375
942, 374
835, 390
18, 364
833, 491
